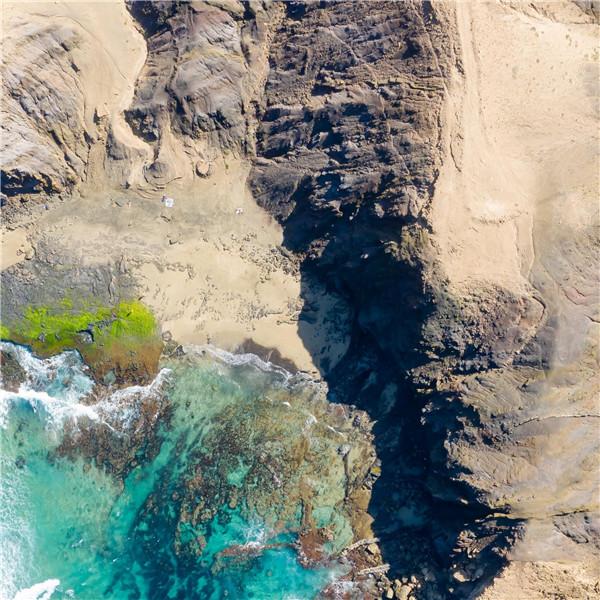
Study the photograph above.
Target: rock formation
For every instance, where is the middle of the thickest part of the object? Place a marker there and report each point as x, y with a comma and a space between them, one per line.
433, 169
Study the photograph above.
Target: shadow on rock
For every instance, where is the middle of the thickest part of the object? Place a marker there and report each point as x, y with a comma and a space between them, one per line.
444, 548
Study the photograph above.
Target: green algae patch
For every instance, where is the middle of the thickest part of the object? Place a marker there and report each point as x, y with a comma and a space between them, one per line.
123, 338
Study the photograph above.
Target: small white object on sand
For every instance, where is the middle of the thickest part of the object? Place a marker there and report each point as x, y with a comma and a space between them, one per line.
168, 202
239, 211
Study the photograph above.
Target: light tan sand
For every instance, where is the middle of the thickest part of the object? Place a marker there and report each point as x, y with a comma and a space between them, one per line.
209, 266
522, 138
545, 581
14, 247
516, 204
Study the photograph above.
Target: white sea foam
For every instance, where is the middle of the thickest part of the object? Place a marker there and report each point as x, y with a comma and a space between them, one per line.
237, 359
255, 534
54, 411
61, 375
53, 392
243, 359
15, 539
54, 387
39, 591
122, 406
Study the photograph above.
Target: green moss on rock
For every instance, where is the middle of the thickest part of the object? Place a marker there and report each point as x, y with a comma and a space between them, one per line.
123, 338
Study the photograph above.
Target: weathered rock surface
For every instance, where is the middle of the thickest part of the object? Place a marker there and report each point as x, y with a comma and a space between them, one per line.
44, 146
204, 68
444, 188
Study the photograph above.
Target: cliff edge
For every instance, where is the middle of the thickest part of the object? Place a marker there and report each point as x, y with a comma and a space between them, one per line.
401, 198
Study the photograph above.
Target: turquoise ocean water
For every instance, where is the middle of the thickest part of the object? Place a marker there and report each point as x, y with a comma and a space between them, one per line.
191, 487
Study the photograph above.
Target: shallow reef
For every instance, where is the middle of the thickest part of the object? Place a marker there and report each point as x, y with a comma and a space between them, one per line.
222, 477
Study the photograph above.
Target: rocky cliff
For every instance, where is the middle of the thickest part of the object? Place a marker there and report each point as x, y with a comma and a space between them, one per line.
376, 127
432, 167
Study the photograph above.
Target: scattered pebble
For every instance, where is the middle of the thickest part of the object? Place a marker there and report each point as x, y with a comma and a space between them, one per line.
460, 576
203, 168
404, 592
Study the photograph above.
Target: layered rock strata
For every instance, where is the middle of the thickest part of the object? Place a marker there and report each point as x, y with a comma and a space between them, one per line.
432, 168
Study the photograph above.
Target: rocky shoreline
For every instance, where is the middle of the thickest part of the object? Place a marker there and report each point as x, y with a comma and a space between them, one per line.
265, 442
367, 192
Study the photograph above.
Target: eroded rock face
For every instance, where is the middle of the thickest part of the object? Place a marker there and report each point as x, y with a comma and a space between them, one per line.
65, 84
343, 131
44, 145
203, 71
348, 150
474, 302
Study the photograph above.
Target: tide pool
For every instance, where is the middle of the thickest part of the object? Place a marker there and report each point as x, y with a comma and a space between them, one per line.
202, 484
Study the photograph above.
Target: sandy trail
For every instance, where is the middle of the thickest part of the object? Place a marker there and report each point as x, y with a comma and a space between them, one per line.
512, 154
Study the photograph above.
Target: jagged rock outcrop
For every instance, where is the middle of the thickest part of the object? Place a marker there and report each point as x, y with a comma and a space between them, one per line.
203, 71
447, 193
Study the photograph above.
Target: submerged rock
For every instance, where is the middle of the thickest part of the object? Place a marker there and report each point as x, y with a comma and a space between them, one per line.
12, 375
225, 468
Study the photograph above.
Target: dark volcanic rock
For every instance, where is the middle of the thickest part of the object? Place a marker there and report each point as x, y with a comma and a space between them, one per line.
348, 153
12, 374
